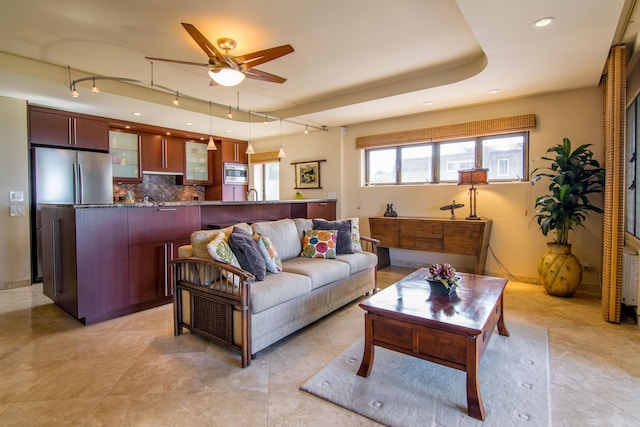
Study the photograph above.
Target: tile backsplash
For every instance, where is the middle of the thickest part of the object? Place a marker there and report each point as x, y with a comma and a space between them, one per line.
159, 188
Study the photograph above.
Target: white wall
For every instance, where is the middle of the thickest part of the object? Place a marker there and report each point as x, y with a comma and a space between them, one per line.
15, 263
515, 240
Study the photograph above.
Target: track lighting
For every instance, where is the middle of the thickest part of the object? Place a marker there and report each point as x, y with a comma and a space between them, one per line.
74, 91
229, 115
94, 88
266, 121
306, 129
176, 102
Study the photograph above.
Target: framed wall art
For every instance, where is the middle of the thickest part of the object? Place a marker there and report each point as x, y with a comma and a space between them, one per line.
308, 174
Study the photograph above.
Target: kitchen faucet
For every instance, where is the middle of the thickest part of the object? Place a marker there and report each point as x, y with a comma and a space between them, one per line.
249, 192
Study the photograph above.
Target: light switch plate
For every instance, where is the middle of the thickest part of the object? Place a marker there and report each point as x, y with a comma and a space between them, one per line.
16, 210
16, 196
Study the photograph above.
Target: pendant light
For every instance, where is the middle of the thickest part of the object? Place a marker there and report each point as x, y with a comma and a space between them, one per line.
250, 149
211, 146
281, 153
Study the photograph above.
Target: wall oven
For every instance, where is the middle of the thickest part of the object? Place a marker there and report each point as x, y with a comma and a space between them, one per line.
236, 173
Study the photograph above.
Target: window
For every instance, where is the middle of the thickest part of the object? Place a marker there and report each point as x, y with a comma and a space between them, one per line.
504, 156
266, 180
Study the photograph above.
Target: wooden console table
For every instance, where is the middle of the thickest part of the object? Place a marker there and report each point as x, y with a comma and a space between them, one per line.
453, 236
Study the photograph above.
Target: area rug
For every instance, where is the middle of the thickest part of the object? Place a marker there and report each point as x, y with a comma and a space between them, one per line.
405, 391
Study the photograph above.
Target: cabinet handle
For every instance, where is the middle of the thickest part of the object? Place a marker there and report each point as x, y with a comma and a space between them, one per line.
75, 132
54, 257
162, 152
170, 272
323, 204
71, 130
167, 209
166, 269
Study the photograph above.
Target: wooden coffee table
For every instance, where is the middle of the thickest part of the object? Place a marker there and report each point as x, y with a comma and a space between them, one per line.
453, 331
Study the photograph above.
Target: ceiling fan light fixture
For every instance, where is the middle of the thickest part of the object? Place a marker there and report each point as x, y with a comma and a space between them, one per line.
226, 76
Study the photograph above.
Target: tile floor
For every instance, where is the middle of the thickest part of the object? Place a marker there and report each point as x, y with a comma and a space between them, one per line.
132, 371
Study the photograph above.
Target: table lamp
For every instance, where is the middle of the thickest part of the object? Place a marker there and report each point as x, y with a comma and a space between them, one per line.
472, 177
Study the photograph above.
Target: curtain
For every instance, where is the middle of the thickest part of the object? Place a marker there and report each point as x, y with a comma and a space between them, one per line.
614, 98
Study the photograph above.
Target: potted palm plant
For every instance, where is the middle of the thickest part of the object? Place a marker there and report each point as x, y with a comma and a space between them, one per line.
574, 176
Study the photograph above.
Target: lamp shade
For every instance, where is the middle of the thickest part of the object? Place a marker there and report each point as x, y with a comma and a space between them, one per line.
472, 176
226, 76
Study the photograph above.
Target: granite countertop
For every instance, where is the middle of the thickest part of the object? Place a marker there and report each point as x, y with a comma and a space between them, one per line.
185, 203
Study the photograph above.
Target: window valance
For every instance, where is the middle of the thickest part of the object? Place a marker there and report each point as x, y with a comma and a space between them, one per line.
264, 157
455, 131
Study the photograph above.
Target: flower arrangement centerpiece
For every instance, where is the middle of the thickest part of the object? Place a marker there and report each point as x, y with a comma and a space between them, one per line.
442, 278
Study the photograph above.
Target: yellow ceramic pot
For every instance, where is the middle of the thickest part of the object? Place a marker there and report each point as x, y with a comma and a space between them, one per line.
560, 271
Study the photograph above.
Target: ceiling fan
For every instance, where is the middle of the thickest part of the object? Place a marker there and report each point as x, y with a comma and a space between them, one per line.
227, 70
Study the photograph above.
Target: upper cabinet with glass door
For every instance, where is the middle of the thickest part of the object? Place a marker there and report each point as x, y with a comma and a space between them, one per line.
124, 148
196, 163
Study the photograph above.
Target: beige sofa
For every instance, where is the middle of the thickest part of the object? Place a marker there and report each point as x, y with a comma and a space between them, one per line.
227, 305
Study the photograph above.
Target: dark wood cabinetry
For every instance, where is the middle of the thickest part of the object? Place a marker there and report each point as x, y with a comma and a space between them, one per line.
162, 153
325, 210
155, 234
85, 262
453, 236
51, 128
228, 151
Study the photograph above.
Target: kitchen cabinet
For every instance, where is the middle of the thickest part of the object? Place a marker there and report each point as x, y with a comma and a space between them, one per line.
228, 151
196, 164
155, 234
85, 262
234, 151
124, 148
55, 128
162, 154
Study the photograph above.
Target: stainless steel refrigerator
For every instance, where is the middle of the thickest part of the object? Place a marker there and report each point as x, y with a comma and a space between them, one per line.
66, 177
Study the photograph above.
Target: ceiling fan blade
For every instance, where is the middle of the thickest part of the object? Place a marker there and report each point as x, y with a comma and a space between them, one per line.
250, 60
175, 61
208, 47
264, 76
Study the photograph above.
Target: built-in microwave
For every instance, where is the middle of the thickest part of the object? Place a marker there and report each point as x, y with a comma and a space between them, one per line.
236, 173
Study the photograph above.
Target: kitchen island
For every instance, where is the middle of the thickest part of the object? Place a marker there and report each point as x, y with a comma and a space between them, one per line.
107, 260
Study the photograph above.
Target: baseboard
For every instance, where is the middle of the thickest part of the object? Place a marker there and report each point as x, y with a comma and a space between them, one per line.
13, 285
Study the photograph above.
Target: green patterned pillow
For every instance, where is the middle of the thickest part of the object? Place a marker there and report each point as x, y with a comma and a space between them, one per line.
220, 250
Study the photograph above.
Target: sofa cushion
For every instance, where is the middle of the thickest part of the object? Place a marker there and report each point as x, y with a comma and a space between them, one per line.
303, 224
246, 250
320, 271
276, 289
284, 235
269, 253
356, 245
359, 261
319, 243
201, 238
343, 245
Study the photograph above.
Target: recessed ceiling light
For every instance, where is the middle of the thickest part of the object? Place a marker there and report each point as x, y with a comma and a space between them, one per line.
543, 22
229, 131
127, 127
427, 103
135, 113
494, 90
188, 123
